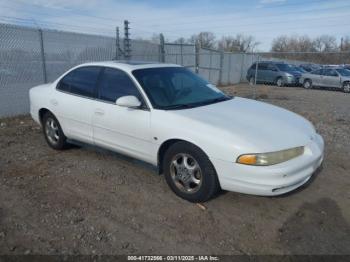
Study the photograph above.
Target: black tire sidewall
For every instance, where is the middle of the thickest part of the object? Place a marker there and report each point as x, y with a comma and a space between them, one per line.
210, 182
62, 144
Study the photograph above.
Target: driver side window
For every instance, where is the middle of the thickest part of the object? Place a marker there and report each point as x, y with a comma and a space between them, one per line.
115, 83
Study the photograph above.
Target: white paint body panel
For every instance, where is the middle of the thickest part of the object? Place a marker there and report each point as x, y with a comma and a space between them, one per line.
223, 131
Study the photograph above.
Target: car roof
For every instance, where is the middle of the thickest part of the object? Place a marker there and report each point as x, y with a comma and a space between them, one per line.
129, 65
271, 62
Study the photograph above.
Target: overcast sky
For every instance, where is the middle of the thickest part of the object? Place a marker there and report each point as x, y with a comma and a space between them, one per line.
264, 19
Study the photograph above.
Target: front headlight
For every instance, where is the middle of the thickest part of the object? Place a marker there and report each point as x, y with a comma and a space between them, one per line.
271, 158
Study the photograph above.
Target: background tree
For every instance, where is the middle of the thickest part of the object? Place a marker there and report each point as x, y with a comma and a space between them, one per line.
326, 43
204, 39
240, 43
293, 44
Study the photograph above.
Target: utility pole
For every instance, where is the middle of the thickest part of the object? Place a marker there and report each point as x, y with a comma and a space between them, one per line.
127, 41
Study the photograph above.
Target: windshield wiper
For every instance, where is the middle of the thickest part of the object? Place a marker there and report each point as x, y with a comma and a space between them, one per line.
215, 100
178, 106
191, 105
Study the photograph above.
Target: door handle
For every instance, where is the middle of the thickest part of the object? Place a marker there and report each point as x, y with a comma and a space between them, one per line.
99, 112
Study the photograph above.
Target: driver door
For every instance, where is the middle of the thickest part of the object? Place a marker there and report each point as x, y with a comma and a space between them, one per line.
118, 128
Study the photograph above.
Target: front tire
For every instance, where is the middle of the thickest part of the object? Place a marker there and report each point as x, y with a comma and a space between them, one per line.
280, 82
346, 87
53, 133
307, 84
189, 173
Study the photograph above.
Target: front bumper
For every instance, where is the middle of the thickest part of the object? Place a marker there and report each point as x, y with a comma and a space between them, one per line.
271, 180
292, 80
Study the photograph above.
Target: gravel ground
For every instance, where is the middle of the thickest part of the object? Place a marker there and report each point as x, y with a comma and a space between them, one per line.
91, 201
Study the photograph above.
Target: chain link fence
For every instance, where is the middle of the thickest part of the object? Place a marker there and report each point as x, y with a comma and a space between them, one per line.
29, 57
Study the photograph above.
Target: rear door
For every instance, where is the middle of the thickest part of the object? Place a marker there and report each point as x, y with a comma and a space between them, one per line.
73, 103
331, 78
262, 72
123, 129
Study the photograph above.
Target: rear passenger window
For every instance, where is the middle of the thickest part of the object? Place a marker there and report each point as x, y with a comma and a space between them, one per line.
115, 83
330, 72
317, 72
81, 81
262, 66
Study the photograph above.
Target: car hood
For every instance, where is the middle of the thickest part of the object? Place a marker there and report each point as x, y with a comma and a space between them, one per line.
295, 73
248, 124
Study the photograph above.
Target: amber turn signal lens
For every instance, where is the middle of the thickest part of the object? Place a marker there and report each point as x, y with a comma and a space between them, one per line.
247, 159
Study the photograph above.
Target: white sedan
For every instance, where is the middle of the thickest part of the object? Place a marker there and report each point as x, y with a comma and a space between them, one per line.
200, 138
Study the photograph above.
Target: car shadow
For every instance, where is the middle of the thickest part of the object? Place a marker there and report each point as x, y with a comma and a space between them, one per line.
76, 145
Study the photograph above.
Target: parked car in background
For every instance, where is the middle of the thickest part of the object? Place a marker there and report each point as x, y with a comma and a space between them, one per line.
337, 77
310, 67
198, 137
347, 67
299, 69
278, 73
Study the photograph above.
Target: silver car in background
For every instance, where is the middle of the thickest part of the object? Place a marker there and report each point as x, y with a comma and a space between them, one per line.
336, 77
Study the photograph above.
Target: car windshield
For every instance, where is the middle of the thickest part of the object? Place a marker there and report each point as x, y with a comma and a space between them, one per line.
285, 67
177, 88
299, 69
344, 72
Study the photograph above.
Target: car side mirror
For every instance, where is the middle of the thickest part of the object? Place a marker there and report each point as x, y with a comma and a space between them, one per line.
128, 101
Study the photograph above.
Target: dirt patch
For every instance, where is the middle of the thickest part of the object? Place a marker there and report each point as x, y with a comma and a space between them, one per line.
91, 201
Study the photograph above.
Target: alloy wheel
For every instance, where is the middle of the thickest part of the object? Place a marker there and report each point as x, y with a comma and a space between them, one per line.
52, 131
279, 82
186, 173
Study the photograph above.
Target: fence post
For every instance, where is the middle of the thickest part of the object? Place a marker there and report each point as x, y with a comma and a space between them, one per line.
229, 69
162, 48
181, 54
196, 58
42, 51
117, 43
256, 76
242, 67
221, 66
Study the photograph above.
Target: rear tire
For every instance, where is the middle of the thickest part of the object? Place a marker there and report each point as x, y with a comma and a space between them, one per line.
53, 133
307, 84
189, 172
252, 80
346, 87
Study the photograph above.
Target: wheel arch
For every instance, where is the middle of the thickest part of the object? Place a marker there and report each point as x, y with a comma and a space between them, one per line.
166, 145
42, 112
